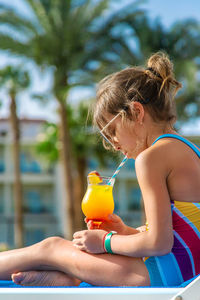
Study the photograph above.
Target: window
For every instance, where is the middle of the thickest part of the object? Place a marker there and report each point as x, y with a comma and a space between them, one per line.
28, 164
134, 198
38, 199
1, 199
33, 236
2, 162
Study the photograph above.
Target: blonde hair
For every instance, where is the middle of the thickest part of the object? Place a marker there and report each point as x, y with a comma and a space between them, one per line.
155, 87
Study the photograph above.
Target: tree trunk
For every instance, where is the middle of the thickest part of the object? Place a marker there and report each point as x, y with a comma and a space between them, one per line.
79, 191
66, 162
18, 197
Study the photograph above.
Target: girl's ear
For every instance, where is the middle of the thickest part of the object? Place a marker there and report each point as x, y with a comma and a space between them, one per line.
137, 110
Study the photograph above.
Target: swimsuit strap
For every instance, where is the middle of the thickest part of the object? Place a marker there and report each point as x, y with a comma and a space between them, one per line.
175, 136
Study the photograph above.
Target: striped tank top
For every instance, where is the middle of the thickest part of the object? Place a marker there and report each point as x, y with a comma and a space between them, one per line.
183, 262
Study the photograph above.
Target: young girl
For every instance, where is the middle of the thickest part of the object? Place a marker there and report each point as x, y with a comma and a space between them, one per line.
135, 113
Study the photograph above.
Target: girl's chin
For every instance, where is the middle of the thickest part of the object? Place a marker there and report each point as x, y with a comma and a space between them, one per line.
132, 155
126, 154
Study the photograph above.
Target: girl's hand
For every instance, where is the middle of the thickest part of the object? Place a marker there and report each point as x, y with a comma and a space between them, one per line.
89, 240
113, 223
142, 228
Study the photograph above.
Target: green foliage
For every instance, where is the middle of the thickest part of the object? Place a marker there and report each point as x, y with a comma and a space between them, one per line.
181, 43
85, 141
4, 247
14, 79
84, 40
76, 38
47, 143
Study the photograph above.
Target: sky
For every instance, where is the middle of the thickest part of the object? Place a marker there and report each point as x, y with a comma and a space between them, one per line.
168, 11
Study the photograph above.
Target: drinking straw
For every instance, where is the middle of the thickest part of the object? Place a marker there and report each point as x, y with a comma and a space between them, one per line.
118, 169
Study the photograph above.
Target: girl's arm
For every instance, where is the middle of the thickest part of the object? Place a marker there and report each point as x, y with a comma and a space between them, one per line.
152, 172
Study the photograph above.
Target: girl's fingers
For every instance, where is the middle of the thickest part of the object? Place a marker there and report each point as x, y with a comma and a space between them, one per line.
78, 244
78, 234
76, 241
87, 220
80, 247
92, 225
114, 218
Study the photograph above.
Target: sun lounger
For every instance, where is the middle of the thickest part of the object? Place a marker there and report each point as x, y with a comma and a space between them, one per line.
190, 290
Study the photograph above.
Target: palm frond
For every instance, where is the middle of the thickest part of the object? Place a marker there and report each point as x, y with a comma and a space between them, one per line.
14, 46
91, 11
40, 13
15, 78
128, 12
18, 22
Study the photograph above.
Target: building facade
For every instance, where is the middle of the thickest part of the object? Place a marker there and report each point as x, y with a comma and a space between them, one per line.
39, 187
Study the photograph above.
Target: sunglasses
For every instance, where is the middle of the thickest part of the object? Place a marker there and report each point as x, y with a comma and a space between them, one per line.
101, 131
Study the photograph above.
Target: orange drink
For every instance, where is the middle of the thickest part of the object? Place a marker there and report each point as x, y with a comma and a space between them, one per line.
98, 201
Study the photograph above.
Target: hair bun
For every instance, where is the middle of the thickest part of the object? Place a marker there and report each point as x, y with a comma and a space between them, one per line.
161, 65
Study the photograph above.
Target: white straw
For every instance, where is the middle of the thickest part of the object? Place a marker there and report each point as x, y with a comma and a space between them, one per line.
118, 169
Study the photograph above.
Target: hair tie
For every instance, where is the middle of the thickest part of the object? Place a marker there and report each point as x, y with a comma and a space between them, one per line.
146, 101
126, 107
154, 72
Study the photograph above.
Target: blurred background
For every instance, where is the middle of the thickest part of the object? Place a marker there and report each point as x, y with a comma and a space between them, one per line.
52, 54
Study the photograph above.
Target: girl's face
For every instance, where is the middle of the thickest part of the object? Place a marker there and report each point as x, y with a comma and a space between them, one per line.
126, 136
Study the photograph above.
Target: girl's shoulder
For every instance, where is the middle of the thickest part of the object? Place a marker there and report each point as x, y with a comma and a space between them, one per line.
156, 151
155, 158
166, 154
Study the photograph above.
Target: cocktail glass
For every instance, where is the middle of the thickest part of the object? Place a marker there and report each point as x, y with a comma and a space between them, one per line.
98, 201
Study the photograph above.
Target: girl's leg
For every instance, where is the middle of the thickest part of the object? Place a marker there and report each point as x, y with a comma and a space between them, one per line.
13, 261
60, 255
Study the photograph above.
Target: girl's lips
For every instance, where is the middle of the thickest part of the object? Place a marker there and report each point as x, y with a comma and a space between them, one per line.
125, 153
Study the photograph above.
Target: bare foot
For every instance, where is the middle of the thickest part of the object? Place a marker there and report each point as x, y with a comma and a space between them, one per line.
44, 278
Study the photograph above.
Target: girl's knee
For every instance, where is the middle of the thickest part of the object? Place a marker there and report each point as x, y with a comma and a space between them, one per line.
50, 243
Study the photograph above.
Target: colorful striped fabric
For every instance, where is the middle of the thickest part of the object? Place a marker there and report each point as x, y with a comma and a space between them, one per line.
183, 262
186, 226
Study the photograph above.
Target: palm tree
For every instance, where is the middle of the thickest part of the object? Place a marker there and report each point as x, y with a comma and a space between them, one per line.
15, 79
85, 144
74, 39
181, 43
